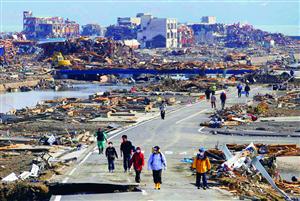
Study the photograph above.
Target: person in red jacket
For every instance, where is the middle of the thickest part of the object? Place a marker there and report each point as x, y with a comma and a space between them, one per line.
138, 162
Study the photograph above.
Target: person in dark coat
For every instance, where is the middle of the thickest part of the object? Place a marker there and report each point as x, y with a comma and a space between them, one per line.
111, 154
207, 94
247, 90
223, 99
126, 149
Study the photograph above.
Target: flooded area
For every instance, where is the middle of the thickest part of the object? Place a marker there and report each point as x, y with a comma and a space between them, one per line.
18, 100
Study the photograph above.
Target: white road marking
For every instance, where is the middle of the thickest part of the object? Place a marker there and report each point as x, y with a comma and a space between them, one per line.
57, 198
168, 152
74, 169
183, 153
85, 158
144, 192
200, 129
191, 116
65, 180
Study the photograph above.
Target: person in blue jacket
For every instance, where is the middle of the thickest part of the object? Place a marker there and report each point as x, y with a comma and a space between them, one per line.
157, 162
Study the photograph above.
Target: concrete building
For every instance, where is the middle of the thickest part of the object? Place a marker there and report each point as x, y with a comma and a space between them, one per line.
91, 30
157, 32
209, 20
48, 27
128, 21
185, 36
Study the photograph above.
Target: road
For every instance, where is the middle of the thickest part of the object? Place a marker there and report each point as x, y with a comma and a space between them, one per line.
179, 136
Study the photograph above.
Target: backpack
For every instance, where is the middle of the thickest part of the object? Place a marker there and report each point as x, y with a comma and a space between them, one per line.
100, 136
161, 158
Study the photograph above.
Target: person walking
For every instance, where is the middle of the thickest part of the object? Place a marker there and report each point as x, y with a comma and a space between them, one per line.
213, 89
126, 150
213, 100
202, 165
240, 89
162, 109
101, 139
138, 161
111, 154
156, 163
223, 99
207, 93
247, 90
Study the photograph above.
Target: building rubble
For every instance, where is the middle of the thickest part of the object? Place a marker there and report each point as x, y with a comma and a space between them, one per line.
243, 178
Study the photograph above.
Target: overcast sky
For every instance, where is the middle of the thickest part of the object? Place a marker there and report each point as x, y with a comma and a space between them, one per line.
270, 15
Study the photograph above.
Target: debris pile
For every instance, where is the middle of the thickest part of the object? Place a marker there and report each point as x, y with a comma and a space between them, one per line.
250, 171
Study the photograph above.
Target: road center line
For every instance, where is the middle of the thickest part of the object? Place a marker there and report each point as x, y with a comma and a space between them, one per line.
191, 116
200, 129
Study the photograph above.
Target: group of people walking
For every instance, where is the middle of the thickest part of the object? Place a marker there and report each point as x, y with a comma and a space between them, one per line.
211, 91
133, 157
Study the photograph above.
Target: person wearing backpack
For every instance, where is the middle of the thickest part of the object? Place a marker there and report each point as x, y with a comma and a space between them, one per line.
111, 154
202, 165
126, 150
138, 161
101, 139
156, 163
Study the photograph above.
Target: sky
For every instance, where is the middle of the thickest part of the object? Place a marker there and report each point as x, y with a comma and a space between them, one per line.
269, 15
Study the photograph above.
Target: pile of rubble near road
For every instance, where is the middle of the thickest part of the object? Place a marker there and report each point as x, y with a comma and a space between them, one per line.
250, 171
232, 116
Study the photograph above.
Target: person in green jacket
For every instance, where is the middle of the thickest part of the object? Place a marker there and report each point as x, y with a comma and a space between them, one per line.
101, 139
213, 89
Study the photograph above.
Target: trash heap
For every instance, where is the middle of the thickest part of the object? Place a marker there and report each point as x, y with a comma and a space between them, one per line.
238, 170
82, 51
275, 106
232, 116
265, 105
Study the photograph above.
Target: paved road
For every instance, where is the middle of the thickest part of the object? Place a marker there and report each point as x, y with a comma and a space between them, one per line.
179, 136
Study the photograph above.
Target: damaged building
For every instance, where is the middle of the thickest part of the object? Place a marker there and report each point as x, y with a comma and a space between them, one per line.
185, 36
48, 27
157, 32
92, 30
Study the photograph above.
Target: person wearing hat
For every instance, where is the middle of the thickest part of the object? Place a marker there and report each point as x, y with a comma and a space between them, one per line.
138, 162
202, 165
157, 161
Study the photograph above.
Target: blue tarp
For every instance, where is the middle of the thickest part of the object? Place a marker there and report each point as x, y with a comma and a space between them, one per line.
51, 40
2, 51
150, 71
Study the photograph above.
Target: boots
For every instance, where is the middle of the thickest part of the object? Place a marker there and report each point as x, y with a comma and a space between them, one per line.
158, 186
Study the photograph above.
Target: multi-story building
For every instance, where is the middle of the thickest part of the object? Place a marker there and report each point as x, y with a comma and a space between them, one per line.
91, 30
48, 27
209, 19
157, 32
185, 36
129, 21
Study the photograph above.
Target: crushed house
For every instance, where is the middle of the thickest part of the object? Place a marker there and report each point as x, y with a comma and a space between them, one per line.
45, 27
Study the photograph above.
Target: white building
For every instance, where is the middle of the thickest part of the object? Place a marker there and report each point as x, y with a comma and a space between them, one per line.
209, 19
157, 32
129, 21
